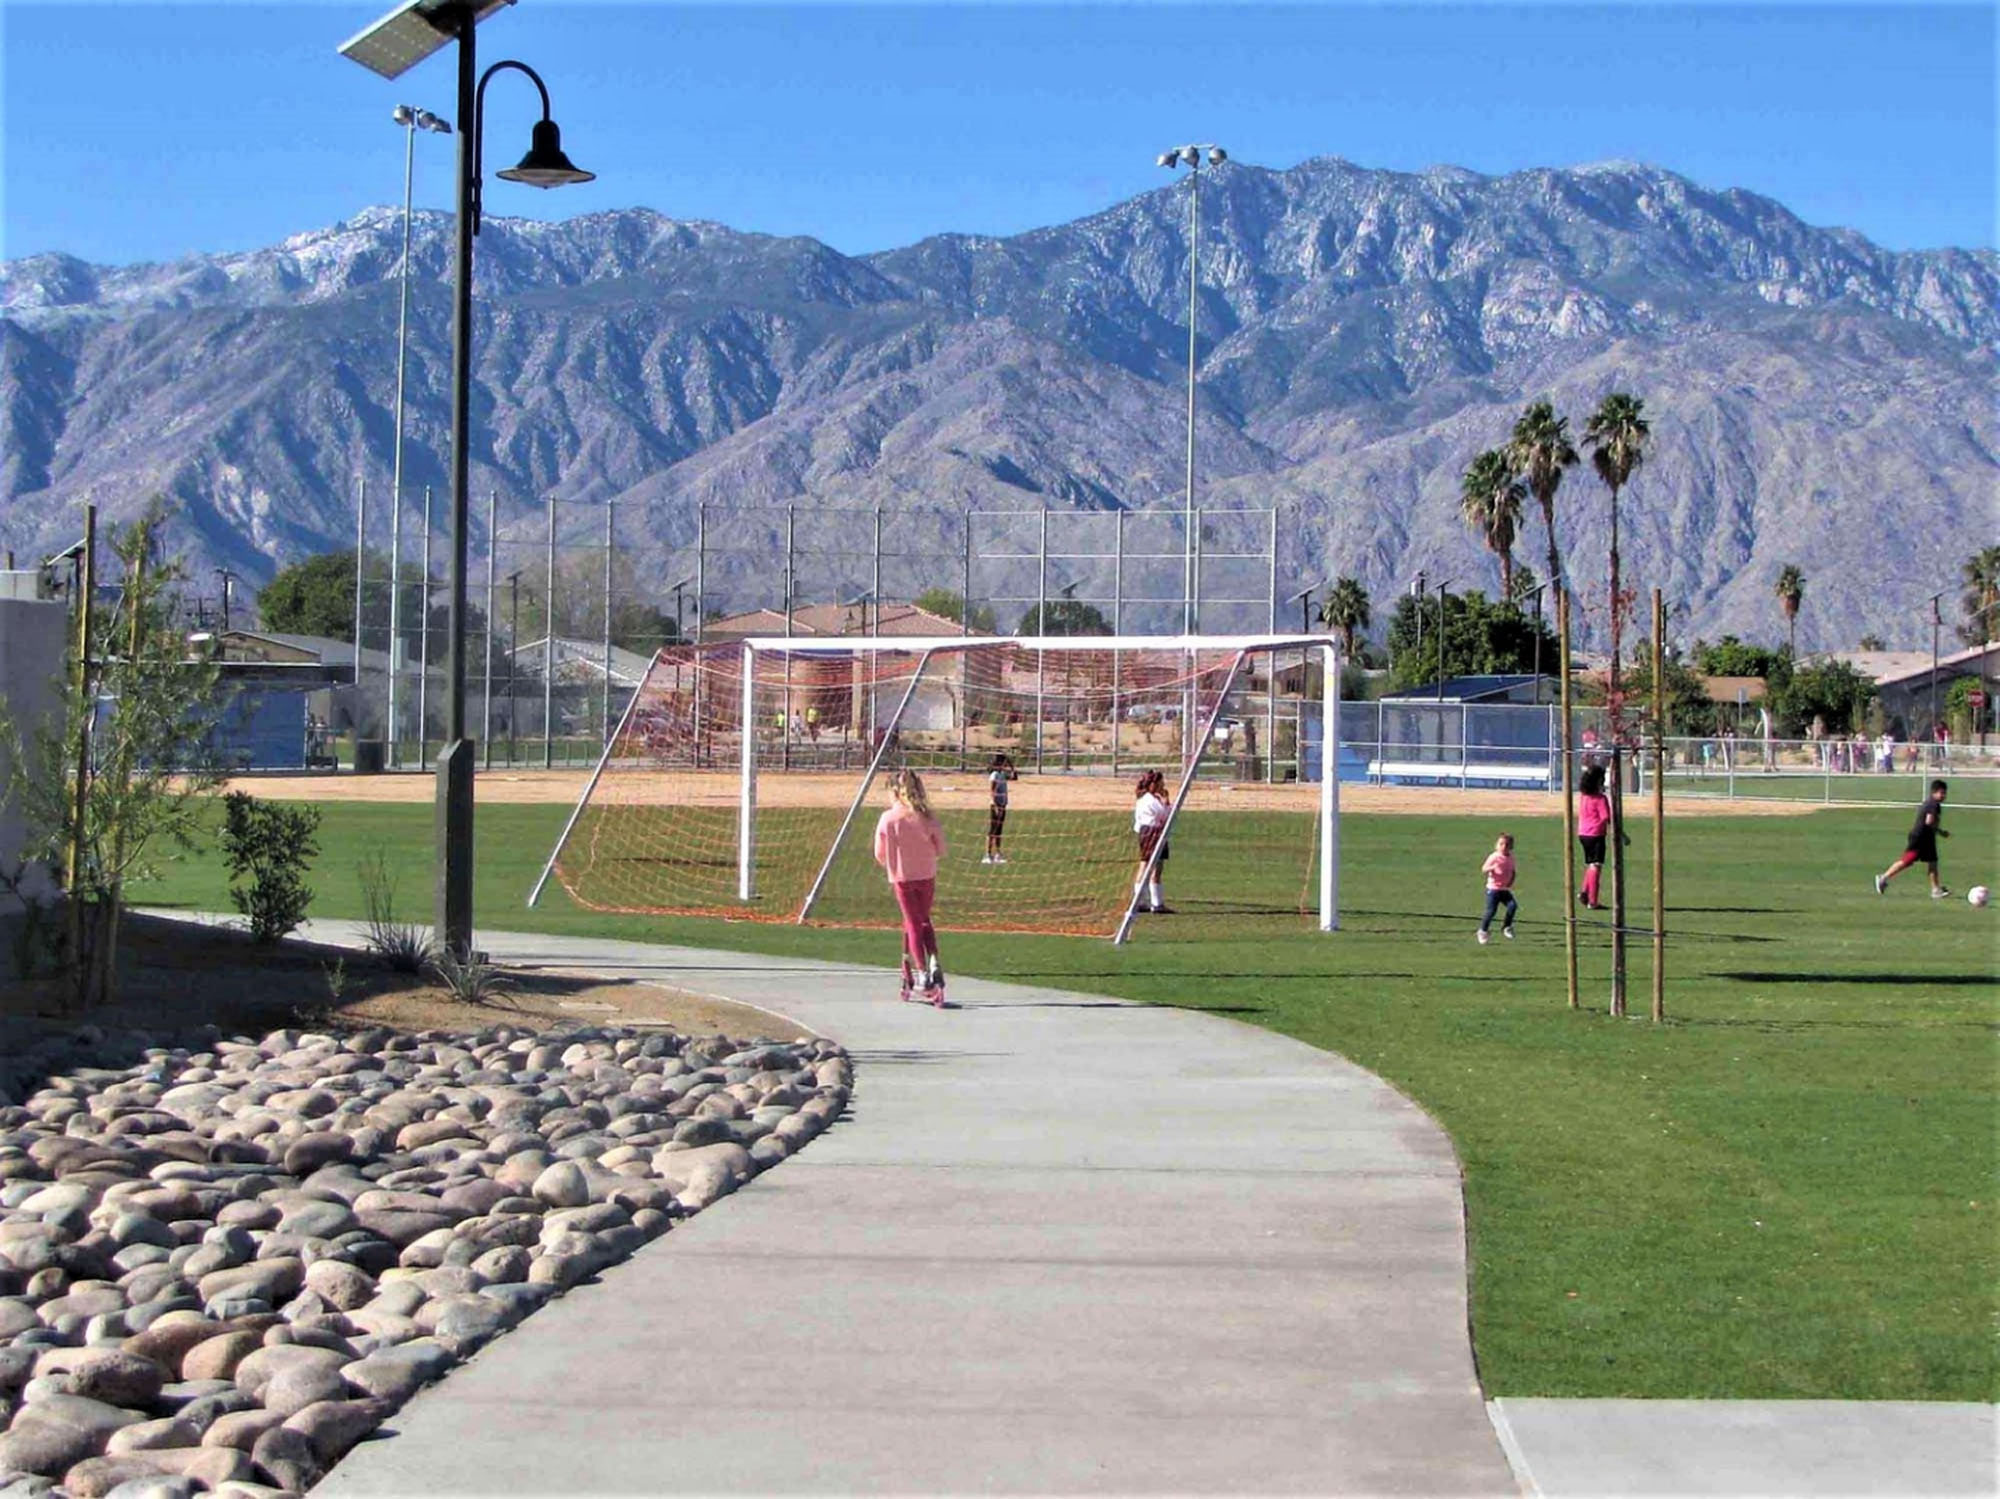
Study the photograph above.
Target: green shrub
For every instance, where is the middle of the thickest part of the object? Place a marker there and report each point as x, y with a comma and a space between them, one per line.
268, 846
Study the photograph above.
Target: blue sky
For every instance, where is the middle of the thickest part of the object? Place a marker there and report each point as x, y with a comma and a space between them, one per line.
144, 131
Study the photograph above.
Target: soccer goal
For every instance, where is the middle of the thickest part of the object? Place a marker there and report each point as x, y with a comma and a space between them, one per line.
746, 778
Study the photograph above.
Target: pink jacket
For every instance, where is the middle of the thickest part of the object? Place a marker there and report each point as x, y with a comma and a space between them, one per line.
908, 846
1593, 815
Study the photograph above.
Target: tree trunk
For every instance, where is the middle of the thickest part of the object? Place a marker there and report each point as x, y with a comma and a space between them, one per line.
1507, 577
1618, 782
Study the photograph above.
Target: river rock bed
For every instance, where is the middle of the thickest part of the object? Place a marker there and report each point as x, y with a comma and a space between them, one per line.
224, 1265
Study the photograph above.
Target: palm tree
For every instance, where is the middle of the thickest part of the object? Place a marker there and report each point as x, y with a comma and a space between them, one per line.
1491, 497
1346, 610
1791, 591
1539, 451
1981, 576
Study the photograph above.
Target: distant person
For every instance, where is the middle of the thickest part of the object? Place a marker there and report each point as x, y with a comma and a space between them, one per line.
908, 845
1593, 819
1913, 755
998, 774
1941, 754
1921, 845
798, 726
1885, 753
812, 723
1858, 753
1150, 812
1499, 872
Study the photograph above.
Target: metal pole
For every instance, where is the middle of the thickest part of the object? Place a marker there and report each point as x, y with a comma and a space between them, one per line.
395, 625
1538, 641
861, 794
1271, 664
1194, 288
453, 906
700, 568
610, 541
1117, 629
360, 553
396, 466
1441, 638
549, 645
513, 651
1937, 620
785, 731
964, 657
746, 790
1041, 627
486, 689
1329, 792
424, 644
1659, 815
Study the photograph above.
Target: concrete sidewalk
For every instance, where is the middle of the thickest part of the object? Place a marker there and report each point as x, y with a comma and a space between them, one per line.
1059, 1244
1062, 1244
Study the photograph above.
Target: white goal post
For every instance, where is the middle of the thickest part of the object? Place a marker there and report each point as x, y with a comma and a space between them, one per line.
904, 698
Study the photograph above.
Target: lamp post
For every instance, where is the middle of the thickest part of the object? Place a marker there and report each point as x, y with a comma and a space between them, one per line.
1303, 598
1540, 589
1192, 157
1937, 621
391, 47
680, 635
1420, 590
226, 577
1441, 636
513, 649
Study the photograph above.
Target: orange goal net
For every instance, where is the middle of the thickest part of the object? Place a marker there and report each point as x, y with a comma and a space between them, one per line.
746, 779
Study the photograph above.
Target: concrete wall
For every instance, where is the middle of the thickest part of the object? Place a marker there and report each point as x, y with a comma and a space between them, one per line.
31, 655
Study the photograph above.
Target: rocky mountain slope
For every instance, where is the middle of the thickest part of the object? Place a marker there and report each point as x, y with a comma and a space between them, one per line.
1815, 399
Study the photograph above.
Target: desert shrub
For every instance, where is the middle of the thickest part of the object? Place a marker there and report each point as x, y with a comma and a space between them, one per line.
268, 847
403, 946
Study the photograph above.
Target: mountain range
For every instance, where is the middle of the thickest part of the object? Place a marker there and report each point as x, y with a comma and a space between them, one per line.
1814, 399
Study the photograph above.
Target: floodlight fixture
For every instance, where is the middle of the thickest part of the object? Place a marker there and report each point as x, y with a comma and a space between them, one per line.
1217, 156
1190, 156
412, 31
420, 119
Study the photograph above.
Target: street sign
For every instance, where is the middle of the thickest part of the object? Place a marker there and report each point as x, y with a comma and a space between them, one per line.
1976, 697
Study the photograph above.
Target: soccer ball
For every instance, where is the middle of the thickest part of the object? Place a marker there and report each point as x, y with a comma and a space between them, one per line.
1978, 895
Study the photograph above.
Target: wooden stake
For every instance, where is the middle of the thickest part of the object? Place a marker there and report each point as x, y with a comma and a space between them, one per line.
1569, 797
1659, 813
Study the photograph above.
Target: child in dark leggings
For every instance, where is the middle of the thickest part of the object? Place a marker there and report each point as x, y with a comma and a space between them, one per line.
1499, 872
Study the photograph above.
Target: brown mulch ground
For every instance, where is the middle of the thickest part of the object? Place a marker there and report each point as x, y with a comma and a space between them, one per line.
176, 975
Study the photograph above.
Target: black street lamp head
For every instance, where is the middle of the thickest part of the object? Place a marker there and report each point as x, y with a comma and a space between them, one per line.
545, 165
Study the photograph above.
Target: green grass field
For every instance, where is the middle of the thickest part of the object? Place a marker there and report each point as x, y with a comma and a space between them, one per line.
1787, 1191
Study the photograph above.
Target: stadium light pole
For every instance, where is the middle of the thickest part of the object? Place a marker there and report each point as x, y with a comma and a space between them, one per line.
1191, 157
389, 48
412, 120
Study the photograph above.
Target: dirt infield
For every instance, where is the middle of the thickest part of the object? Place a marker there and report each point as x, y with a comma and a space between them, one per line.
948, 789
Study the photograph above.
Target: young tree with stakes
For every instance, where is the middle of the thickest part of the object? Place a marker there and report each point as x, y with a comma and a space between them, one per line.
1616, 436
1539, 451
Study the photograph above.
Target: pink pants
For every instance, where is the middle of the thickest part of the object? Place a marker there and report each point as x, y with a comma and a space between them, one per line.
915, 898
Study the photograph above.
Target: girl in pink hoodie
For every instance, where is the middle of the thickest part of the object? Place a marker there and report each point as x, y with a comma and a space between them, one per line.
1593, 819
908, 845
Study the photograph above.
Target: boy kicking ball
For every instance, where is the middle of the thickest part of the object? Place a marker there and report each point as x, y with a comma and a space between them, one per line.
1922, 844
1499, 872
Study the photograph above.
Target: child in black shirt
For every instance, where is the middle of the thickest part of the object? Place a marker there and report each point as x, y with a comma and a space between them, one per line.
1922, 844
